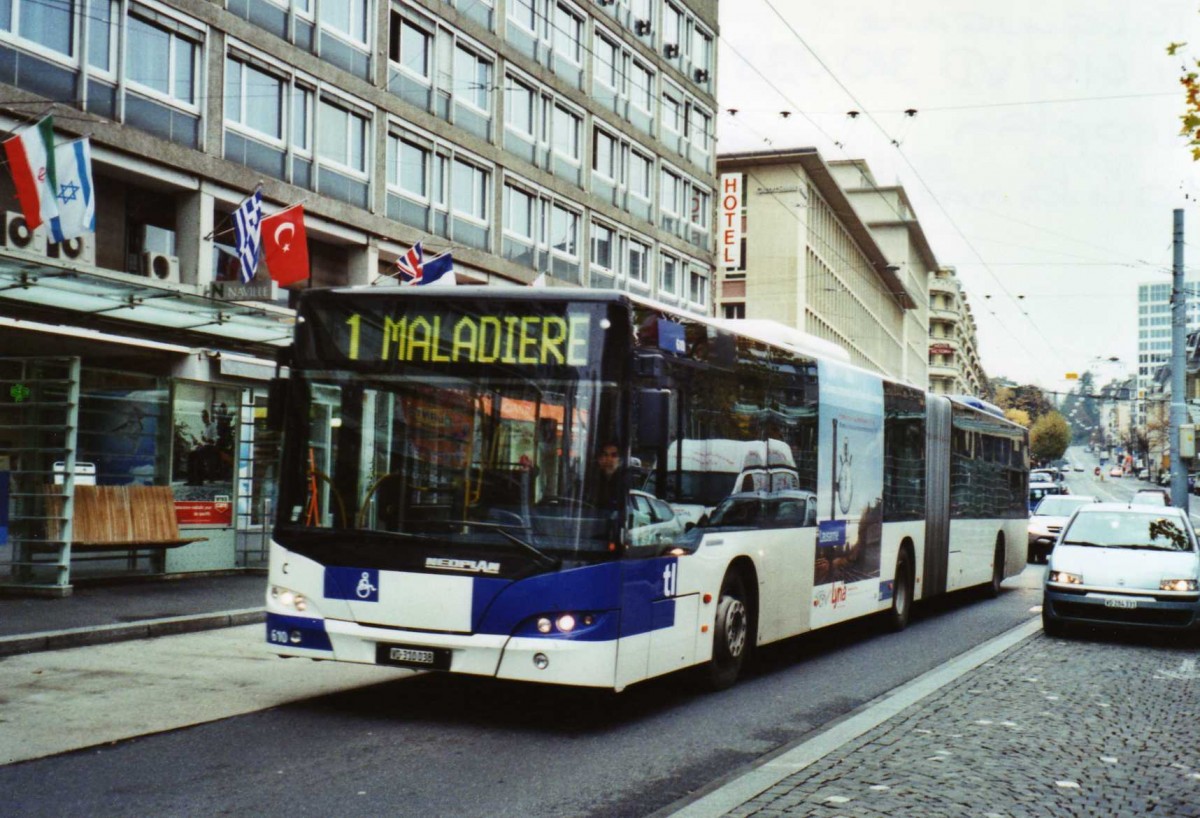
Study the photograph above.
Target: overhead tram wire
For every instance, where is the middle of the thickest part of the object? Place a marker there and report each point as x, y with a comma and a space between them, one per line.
908, 162
849, 265
1000, 322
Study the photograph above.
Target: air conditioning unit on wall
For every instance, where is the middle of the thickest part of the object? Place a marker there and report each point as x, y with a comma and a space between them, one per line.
160, 267
18, 236
81, 250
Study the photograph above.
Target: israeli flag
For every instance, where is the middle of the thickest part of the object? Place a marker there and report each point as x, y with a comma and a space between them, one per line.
247, 222
75, 194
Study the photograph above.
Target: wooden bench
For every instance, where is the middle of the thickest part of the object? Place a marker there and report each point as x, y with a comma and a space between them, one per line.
119, 518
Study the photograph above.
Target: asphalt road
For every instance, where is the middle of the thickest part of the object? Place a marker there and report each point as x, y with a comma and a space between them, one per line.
439, 745
1112, 489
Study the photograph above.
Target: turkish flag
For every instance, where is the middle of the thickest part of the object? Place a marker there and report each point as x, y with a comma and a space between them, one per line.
285, 245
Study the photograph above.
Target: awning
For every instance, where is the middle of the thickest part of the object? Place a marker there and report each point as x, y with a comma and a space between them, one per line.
110, 302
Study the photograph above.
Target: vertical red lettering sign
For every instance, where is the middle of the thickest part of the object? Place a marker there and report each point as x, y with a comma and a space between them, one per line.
729, 228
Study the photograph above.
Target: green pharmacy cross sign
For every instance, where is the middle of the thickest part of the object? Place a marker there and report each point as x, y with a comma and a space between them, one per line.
20, 392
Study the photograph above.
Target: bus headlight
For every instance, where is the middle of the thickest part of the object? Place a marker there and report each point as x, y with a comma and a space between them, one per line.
1177, 585
1066, 579
289, 598
563, 622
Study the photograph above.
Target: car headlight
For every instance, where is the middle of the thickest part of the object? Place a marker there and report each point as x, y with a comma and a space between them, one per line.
1177, 585
1065, 578
289, 598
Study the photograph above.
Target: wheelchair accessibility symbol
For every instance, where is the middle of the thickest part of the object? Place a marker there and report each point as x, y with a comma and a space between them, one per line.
365, 589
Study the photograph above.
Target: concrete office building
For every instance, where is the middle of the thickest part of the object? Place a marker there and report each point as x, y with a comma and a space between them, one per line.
528, 137
1154, 327
825, 256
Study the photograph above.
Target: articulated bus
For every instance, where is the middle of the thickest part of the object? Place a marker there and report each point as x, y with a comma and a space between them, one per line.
441, 505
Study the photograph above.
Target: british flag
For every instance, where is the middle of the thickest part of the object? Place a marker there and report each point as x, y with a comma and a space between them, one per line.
416, 270
412, 264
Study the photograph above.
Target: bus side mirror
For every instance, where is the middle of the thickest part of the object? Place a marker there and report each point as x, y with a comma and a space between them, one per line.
276, 403
654, 417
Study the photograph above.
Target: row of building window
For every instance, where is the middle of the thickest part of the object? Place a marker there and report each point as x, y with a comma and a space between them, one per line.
294, 128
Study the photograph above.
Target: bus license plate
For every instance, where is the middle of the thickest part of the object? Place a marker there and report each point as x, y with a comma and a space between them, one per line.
412, 656
1120, 603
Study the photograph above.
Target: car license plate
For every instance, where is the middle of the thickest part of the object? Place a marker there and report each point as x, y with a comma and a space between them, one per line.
1120, 603
412, 656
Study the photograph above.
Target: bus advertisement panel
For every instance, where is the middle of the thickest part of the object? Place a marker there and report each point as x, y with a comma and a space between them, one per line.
850, 485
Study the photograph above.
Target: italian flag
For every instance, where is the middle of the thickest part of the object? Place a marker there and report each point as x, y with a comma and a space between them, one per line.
31, 160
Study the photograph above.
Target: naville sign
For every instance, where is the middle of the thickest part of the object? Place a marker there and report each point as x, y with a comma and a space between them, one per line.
730, 230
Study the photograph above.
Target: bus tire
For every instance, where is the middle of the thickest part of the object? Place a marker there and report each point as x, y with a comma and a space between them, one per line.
902, 593
993, 587
731, 635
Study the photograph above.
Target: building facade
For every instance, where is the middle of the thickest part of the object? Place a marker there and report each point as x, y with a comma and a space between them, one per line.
894, 224
954, 366
1154, 327
567, 139
810, 261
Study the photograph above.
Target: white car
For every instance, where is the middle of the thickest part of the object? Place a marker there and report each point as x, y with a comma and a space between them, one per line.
1047, 522
652, 522
1126, 565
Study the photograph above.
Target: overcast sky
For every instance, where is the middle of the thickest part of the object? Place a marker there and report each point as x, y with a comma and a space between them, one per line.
1044, 161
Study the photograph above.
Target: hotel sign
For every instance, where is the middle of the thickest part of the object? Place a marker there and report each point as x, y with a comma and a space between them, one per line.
729, 232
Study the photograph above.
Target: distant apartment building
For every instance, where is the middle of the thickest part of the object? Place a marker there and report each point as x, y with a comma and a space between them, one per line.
568, 139
954, 366
1154, 327
827, 252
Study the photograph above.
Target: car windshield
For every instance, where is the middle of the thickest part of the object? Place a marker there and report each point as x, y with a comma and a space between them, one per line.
764, 511
1060, 506
1156, 498
1129, 529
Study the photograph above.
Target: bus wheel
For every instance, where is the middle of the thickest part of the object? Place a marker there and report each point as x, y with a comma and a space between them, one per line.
902, 593
730, 636
993, 588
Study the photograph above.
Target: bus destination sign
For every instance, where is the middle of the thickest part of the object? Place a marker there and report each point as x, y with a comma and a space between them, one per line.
424, 335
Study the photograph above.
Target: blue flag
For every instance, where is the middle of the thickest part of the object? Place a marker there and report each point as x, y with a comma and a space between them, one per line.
247, 222
439, 269
75, 194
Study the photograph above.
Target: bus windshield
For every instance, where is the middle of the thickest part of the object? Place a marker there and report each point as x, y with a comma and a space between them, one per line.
494, 463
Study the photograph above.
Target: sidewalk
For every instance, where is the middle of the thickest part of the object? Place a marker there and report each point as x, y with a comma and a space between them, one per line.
116, 611
1025, 725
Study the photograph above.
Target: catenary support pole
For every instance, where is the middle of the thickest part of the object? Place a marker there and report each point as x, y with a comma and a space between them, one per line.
1179, 487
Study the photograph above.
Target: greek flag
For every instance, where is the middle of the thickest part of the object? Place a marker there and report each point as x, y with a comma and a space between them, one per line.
247, 222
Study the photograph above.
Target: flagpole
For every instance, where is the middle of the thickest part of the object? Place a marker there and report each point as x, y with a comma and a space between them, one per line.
217, 231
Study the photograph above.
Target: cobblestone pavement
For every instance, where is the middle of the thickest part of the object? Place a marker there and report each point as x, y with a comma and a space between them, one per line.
1080, 727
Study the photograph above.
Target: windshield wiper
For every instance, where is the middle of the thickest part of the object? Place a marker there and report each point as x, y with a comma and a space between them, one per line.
1085, 542
503, 530
1146, 547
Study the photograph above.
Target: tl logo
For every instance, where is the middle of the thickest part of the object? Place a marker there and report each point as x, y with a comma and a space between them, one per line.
668, 576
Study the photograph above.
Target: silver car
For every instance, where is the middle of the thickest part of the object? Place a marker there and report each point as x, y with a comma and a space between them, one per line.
651, 521
1047, 520
1124, 565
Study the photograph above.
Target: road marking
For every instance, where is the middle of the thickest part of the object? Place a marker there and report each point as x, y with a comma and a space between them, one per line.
1186, 671
733, 794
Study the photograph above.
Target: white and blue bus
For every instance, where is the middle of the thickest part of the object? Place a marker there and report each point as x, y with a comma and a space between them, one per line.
441, 507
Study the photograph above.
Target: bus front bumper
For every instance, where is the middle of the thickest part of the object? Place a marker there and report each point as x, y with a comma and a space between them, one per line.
548, 660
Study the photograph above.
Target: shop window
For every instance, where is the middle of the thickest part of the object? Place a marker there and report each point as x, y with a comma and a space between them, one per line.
123, 429
203, 419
